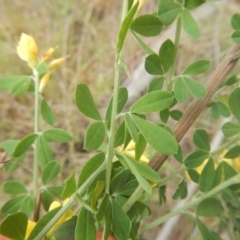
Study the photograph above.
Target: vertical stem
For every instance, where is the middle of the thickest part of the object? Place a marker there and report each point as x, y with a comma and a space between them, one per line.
36, 129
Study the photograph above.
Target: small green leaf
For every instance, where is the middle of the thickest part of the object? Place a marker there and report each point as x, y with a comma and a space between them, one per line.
168, 11
218, 174
14, 187
131, 127
167, 54
57, 135
50, 172
235, 21
195, 87
153, 65
228, 170
190, 4
42, 68
152, 102
13, 205
206, 234
20, 87
108, 221
176, 114
95, 136
230, 129
120, 222
233, 102
122, 100
97, 193
6, 83
209, 207
120, 135
220, 109
125, 27
47, 199
162, 194
181, 191
198, 67
144, 47
233, 152
47, 113
156, 84
14, 226
180, 90
190, 25
147, 25
164, 115
85, 102
44, 152
9, 145
28, 205
159, 138
194, 175
206, 181
90, 167
56, 191
140, 147
196, 158
24, 145
103, 207
178, 156
231, 80
236, 36
201, 140
85, 228
70, 187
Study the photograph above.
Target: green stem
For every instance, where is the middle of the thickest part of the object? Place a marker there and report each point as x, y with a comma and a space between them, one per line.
36, 129
192, 203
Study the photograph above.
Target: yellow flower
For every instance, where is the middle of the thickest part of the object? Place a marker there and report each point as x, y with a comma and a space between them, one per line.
27, 50
62, 219
55, 63
30, 226
44, 81
48, 54
141, 4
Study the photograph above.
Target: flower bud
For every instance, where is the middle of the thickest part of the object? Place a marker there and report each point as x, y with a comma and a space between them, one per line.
55, 63
27, 50
48, 54
44, 82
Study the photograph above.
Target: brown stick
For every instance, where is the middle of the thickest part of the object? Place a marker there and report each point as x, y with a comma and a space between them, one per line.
198, 105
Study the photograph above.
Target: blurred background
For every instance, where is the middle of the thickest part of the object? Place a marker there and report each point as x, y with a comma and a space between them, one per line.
86, 32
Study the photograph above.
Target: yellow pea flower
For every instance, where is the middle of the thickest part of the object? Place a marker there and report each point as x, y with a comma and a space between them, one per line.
27, 50
44, 81
48, 54
30, 226
62, 219
55, 63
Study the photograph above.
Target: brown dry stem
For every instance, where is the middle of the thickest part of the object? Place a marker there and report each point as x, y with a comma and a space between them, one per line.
198, 105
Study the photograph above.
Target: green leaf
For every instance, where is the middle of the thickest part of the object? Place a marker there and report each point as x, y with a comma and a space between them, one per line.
233, 102
20, 87
131, 127
167, 54
144, 47
178, 156
198, 67
43, 221
164, 115
107, 221
201, 140
9, 146
196, 158
181, 191
120, 135
156, 84
97, 193
147, 25
47, 113
190, 25
190, 4
14, 226
152, 102
231, 80
70, 187
6, 83
180, 90
162, 194
230, 129
66, 230
228, 170
194, 175
42, 68
206, 234
28, 205
13, 205
90, 167
235, 21
195, 88
176, 114
209, 207
125, 27
56, 191
219, 109
168, 11
57, 135
125, 161
206, 180
44, 152
14, 187
85, 228
103, 207
233, 152
219, 174
14, 163
153, 65
50, 172
47, 199
94, 136
120, 222
122, 100
236, 36
140, 147
85, 102
24, 145
159, 138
